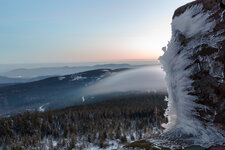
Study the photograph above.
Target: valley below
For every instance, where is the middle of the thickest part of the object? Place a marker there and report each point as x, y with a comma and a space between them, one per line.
111, 123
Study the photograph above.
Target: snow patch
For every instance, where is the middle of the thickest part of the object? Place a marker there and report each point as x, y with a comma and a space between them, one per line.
76, 78
105, 70
41, 108
54, 143
83, 99
61, 78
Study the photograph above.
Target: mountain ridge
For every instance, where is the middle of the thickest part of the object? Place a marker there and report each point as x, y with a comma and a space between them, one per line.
56, 71
51, 90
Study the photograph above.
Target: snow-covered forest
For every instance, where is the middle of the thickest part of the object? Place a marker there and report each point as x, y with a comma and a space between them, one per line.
102, 125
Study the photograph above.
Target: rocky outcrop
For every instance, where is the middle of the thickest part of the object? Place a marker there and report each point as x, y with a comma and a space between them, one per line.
194, 64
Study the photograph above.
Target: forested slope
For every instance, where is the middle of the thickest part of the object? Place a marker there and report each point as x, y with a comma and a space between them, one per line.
110, 123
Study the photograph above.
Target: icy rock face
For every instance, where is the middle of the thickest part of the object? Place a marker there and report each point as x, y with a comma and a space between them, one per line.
194, 64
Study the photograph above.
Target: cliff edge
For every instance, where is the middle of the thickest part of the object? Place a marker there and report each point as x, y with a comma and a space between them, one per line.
194, 63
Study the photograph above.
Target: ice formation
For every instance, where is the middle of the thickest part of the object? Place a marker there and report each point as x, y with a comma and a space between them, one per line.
193, 49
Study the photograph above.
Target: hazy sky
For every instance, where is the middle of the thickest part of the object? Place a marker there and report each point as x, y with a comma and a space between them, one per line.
45, 31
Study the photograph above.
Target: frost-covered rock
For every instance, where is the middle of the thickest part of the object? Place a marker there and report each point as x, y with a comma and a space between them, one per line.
194, 64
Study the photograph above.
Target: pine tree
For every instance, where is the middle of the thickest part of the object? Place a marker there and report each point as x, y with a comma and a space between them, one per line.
124, 139
101, 142
7, 140
140, 135
72, 144
4, 147
132, 137
51, 143
118, 133
89, 138
63, 143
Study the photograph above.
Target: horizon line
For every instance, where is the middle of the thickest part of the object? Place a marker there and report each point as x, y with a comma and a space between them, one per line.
103, 61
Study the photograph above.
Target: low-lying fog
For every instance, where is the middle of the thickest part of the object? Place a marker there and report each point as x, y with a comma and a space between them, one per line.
142, 79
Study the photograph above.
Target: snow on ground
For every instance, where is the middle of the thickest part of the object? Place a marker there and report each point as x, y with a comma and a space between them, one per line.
61, 78
41, 108
83, 99
76, 78
54, 143
113, 144
105, 70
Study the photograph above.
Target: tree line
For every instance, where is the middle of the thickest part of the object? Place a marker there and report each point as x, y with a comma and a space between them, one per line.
122, 120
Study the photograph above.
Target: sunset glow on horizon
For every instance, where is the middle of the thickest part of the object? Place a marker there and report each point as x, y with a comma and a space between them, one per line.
79, 31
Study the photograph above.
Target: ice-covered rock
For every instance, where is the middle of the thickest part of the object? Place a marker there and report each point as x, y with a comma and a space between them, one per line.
194, 64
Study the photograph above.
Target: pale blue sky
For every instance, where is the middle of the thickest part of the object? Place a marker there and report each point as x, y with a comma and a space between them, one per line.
46, 31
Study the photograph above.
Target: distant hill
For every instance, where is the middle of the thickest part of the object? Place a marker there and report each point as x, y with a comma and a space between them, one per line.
65, 90
56, 71
7, 80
